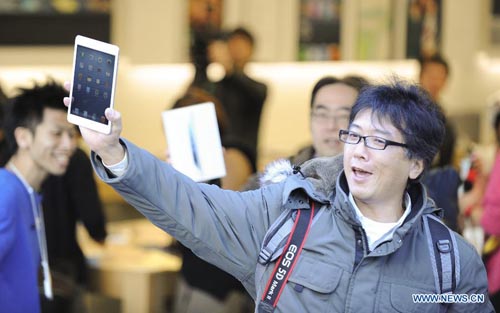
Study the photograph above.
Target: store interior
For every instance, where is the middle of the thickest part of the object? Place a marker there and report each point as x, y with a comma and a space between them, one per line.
154, 70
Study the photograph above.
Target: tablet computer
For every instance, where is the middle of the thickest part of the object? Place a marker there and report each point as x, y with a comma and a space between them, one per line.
194, 142
95, 65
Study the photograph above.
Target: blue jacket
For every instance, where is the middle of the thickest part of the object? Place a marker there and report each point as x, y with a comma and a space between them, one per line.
19, 253
335, 271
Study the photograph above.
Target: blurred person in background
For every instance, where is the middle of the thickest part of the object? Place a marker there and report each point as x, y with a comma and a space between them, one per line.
491, 223
40, 143
443, 180
67, 200
203, 287
205, 23
434, 73
241, 96
331, 102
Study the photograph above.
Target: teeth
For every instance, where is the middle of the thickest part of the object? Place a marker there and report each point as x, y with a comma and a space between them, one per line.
357, 170
62, 158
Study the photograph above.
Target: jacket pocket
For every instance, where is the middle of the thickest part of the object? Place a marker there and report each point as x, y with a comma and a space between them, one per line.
311, 286
316, 275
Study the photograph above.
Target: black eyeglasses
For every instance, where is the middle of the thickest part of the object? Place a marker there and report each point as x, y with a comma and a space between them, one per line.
372, 142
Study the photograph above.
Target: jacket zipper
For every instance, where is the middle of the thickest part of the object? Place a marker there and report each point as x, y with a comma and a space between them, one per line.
361, 243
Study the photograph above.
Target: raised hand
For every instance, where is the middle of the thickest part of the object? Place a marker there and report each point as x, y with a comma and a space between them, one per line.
107, 146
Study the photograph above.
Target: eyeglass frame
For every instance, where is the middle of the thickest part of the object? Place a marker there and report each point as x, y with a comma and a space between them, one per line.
387, 142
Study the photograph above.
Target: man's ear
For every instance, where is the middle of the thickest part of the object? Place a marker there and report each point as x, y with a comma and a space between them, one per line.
416, 168
24, 137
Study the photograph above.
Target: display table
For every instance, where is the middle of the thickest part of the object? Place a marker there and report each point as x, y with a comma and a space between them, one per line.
131, 265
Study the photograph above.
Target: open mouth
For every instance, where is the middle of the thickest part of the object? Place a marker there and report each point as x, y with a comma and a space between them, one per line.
359, 172
62, 159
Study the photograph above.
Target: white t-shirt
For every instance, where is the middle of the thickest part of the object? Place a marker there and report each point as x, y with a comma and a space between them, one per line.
377, 232
119, 168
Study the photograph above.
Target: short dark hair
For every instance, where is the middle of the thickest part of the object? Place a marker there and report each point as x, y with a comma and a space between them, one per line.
354, 81
195, 95
27, 108
243, 32
411, 111
436, 59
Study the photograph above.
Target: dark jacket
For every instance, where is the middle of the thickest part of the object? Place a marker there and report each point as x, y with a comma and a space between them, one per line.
442, 186
243, 99
67, 199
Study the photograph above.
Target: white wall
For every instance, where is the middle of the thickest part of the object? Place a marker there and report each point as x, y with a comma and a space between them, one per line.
273, 23
474, 64
151, 31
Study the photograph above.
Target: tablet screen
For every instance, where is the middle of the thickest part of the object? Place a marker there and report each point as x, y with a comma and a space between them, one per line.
92, 84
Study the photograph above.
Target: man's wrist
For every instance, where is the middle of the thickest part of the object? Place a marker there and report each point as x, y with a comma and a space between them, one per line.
112, 155
119, 168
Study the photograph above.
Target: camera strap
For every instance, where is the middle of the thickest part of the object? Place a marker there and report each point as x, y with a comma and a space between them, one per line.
287, 260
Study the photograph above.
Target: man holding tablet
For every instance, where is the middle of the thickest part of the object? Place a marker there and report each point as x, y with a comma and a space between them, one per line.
366, 252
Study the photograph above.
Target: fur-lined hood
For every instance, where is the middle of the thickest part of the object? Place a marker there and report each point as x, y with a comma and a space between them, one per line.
321, 172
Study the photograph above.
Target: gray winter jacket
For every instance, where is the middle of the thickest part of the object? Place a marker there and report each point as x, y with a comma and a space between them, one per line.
335, 271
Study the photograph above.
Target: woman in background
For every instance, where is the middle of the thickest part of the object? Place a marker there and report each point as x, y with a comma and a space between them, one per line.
491, 224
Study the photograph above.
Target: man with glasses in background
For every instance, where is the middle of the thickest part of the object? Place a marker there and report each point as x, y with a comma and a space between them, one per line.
331, 101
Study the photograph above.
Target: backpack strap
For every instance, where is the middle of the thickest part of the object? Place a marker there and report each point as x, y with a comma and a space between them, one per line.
444, 255
276, 236
286, 262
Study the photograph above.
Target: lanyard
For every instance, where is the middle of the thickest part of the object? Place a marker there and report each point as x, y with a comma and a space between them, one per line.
40, 230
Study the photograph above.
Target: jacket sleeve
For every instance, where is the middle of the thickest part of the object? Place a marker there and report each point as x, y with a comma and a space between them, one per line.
473, 281
491, 201
223, 227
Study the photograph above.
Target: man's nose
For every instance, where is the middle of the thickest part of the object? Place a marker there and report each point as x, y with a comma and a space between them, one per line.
333, 123
360, 149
